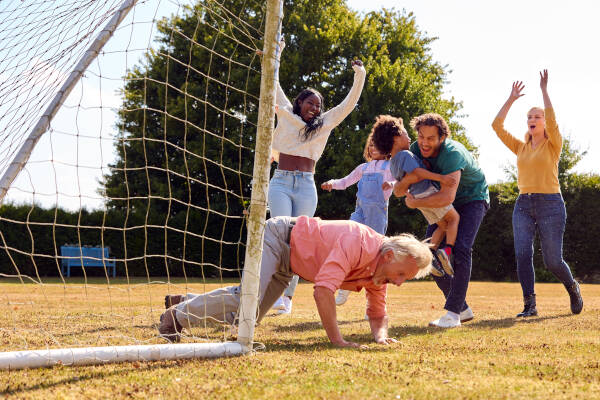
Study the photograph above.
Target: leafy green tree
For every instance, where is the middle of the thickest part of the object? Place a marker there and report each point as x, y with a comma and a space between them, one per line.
186, 127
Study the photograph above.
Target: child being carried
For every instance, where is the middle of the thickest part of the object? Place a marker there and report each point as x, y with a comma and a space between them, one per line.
389, 135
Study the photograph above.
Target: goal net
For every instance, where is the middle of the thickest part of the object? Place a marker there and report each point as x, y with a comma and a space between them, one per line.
129, 133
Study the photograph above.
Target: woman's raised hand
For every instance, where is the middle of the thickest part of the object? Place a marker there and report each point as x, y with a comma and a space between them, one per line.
517, 88
544, 79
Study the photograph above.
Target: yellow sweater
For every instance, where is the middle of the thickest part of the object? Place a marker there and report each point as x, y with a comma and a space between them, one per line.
537, 168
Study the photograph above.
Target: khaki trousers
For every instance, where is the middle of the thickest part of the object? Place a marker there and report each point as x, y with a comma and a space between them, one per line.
221, 305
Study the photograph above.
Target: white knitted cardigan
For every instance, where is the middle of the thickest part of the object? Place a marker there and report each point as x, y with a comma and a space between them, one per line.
288, 137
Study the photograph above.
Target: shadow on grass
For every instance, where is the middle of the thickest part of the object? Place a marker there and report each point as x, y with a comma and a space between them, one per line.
309, 347
310, 326
82, 376
400, 331
510, 321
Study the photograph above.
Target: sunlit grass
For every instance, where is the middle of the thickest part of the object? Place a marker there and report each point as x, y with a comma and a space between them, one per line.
556, 355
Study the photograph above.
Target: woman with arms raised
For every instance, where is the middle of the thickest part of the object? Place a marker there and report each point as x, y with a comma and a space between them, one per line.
540, 206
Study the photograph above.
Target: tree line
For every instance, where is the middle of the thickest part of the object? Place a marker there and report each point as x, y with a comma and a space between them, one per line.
181, 182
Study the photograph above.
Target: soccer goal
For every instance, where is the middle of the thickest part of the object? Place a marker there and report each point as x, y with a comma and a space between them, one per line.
134, 160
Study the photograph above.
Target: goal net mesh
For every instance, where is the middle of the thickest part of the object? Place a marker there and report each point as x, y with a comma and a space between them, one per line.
146, 166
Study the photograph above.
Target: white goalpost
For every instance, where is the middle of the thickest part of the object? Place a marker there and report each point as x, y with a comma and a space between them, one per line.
135, 139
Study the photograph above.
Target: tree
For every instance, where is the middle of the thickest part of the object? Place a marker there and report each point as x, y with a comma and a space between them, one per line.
185, 145
183, 133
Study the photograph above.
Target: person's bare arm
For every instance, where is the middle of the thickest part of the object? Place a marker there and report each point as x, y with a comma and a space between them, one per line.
444, 197
423, 173
544, 87
401, 186
325, 301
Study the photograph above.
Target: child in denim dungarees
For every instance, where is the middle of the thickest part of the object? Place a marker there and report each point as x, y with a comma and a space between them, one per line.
371, 199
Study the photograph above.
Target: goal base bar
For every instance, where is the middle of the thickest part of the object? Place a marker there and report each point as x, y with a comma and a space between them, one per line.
115, 354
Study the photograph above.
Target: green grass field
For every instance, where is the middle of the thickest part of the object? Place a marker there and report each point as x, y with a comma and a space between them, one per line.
553, 356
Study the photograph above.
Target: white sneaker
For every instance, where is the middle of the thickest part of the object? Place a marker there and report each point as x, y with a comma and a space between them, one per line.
466, 315
342, 297
287, 306
446, 321
279, 304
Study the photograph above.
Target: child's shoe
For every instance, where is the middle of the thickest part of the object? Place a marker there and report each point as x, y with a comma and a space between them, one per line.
446, 260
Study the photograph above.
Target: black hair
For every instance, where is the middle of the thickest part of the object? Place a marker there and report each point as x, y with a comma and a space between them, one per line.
314, 124
384, 130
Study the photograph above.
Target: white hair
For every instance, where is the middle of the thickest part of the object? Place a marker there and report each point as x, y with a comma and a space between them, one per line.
405, 245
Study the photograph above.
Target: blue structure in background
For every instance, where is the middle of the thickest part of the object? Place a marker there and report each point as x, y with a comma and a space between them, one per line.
76, 256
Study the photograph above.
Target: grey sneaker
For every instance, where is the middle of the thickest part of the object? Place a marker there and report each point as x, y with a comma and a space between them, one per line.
446, 261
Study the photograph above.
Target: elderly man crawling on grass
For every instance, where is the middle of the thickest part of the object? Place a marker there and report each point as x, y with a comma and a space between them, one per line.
333, 255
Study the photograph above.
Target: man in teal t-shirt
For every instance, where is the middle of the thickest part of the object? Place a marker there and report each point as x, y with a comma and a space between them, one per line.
470, 198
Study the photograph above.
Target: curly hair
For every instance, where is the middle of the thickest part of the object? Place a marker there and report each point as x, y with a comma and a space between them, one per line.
384, 130
314, 124
431, 119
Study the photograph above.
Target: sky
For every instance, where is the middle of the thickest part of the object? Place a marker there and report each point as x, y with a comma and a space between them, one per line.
485, 46
489, 44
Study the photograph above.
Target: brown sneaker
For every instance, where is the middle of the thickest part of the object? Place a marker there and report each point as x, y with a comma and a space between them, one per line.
169, 327
172, 299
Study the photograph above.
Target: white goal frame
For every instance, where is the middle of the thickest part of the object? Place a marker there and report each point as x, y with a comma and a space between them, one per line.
255, 226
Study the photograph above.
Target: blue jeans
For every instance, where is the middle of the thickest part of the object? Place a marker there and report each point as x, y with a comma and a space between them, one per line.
291, 194
455, 289
546, 214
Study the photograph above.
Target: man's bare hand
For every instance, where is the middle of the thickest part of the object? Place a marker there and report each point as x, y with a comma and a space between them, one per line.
386, 186
410, 201
399, 190
386, 340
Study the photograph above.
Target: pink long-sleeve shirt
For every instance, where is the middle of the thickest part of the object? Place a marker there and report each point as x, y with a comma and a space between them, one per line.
339, 255
354, 176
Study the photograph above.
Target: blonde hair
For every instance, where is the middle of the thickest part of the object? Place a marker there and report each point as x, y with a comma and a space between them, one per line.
366, 153
405, 245
527, 134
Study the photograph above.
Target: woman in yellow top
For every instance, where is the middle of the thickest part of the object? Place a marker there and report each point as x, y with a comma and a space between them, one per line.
540, 206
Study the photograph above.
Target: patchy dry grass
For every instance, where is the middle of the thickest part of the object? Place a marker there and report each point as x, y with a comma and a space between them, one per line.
553, 356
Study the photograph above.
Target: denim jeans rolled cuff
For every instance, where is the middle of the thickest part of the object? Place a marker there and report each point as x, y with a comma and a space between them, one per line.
544, 213
222, 304
455, 288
